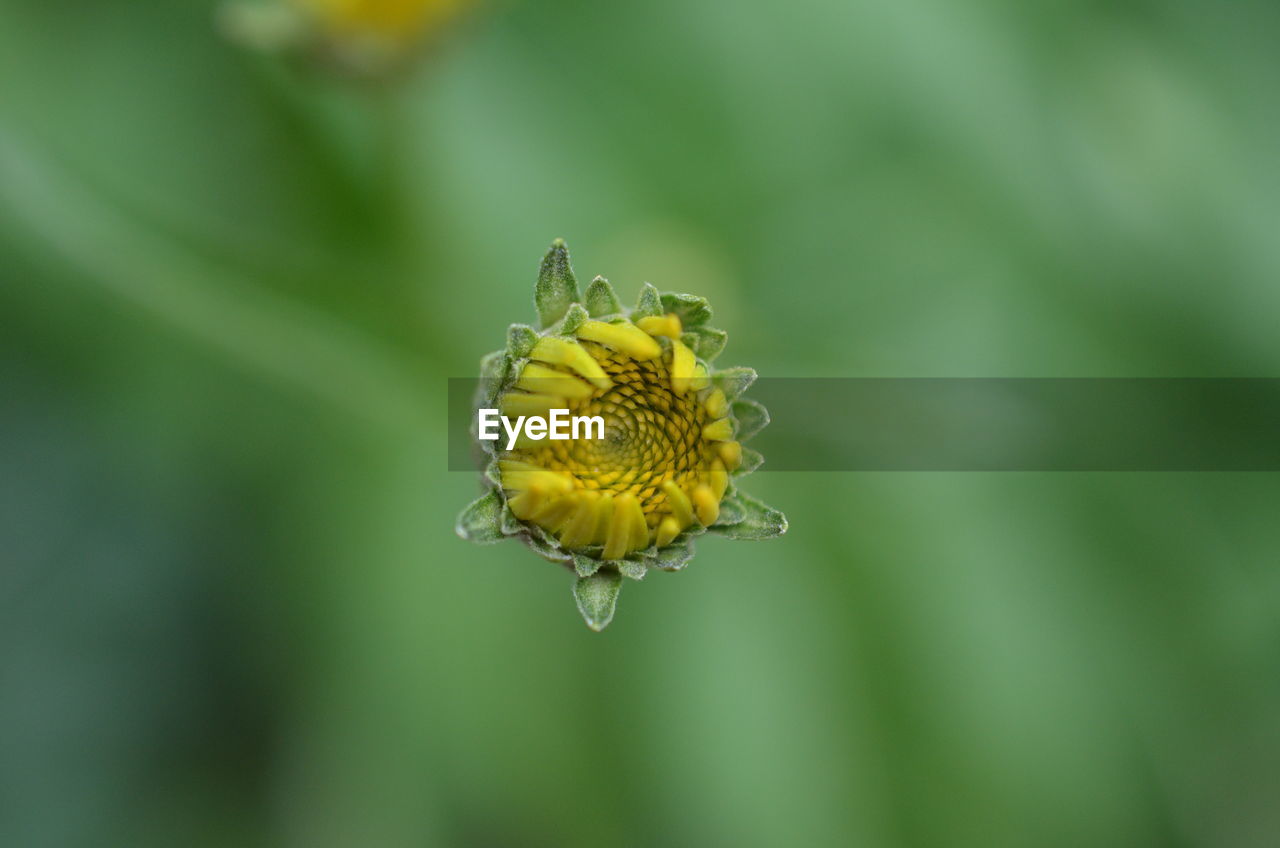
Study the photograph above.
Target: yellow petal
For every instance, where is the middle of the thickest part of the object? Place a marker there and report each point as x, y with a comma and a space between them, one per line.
700, 379
668, 529
716, 404
537, 488
572, 355
617, 544
718, 479
582, 526
661, 325
526, 504
604, 514
543, 380
731, 453
679, 503
551, 482
556, 512
516, 404
706, 504
639, 529
512, 466
682, 365
718, 431
625, 338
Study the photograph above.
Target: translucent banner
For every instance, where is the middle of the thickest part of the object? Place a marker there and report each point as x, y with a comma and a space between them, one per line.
997, 424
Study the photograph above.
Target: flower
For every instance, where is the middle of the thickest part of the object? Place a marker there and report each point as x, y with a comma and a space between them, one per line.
361, 38
671, 450
390, 21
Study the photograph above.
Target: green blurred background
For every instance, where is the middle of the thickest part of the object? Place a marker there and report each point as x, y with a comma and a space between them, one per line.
233, 611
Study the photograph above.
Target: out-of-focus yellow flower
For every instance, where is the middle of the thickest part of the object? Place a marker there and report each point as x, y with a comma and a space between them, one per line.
358, 37
398, 21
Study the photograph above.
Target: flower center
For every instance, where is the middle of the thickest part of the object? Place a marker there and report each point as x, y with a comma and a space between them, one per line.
663, 462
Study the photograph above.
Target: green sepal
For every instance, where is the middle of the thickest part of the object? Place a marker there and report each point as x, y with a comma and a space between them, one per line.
692, 310
520, 340
493, 475
734, 381
493, 373
633, 569
510, 524
539, 542
600, 298
751, 460
480, 522
758, 520
556, 287
751, 418
731, 512
649, 303
572, 320
493, 365
706, 342
585, 566
597, 597
674, 556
